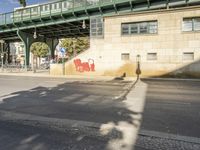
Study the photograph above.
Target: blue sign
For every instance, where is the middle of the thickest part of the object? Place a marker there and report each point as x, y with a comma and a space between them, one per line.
62, 50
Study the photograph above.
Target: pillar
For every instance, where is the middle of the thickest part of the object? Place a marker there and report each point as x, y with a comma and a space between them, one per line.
27, 39
8, 52
52, 43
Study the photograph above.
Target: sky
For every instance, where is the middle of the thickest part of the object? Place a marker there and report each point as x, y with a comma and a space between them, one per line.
9, 5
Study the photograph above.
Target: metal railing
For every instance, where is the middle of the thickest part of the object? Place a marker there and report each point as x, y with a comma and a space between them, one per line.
13, 68
46, 10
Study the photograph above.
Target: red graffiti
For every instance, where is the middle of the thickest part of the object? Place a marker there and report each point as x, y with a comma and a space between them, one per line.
84, 66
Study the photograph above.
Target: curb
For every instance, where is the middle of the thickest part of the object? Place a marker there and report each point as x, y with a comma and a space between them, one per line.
169, 136
122, 96
171, 79
83, 77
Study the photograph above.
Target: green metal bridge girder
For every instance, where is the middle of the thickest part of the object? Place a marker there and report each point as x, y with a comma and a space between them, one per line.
77, 10
28, 40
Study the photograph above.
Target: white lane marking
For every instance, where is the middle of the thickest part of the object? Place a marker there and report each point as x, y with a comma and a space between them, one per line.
89, 99
70, 98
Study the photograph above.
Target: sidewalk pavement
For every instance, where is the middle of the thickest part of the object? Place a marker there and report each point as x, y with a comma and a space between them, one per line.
83, 77
172, 79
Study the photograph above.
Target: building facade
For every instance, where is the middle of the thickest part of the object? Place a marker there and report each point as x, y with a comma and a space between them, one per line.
167, 41
17, 53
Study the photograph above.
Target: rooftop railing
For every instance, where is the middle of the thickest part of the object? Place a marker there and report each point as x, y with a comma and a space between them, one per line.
29, 13
47, 10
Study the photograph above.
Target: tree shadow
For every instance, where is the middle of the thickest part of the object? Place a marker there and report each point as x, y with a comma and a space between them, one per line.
83, 101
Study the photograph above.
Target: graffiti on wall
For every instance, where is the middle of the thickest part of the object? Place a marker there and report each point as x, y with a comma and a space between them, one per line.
84, 66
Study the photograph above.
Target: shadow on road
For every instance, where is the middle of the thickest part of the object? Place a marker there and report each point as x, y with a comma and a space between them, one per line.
92, 102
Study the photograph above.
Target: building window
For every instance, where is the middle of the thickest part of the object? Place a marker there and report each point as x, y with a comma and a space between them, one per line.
191, 24
125, 56
26, 11
64, 4
46, 7
55, 6
151, 56
97, 27
34, 9
133, 29
125, 29
147, 27
188, 56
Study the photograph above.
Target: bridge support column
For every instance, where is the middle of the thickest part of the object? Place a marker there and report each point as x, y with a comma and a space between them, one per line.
52, 43
28, 40
8, 52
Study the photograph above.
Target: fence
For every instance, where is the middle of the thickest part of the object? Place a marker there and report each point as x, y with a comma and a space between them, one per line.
47, 10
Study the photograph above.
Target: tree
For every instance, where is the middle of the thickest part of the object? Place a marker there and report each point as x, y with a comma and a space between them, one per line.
75, 45
22, 2
38, 49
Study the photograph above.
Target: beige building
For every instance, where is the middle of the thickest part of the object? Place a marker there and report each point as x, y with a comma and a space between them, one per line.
168, 42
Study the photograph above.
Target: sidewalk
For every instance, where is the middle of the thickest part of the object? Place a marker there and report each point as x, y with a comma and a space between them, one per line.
47, 75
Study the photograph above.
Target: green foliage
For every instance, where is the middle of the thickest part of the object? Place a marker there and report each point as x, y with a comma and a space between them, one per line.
22, 2
39, 49
75, 45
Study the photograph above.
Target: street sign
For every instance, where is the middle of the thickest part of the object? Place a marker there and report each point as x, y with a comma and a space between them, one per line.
62, 50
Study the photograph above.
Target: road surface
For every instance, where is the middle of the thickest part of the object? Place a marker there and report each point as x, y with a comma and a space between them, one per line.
170, 108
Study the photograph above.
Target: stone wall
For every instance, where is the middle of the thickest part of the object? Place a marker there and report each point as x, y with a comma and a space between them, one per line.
169, 43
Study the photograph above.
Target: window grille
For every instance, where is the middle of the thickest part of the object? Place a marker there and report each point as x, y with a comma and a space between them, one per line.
191, 24
97, 27
151, 56
188, 56
125, 56
146, 27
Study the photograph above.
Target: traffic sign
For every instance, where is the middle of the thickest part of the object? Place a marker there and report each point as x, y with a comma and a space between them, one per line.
62, 50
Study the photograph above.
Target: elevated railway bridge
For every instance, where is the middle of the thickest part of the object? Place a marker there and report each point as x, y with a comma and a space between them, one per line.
69, 18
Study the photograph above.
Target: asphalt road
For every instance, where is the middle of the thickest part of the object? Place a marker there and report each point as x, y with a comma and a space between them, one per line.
172, 107
94, 101
16, 136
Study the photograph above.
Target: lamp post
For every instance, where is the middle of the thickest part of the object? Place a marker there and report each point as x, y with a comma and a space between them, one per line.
35, 34
138, 70
84, 25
